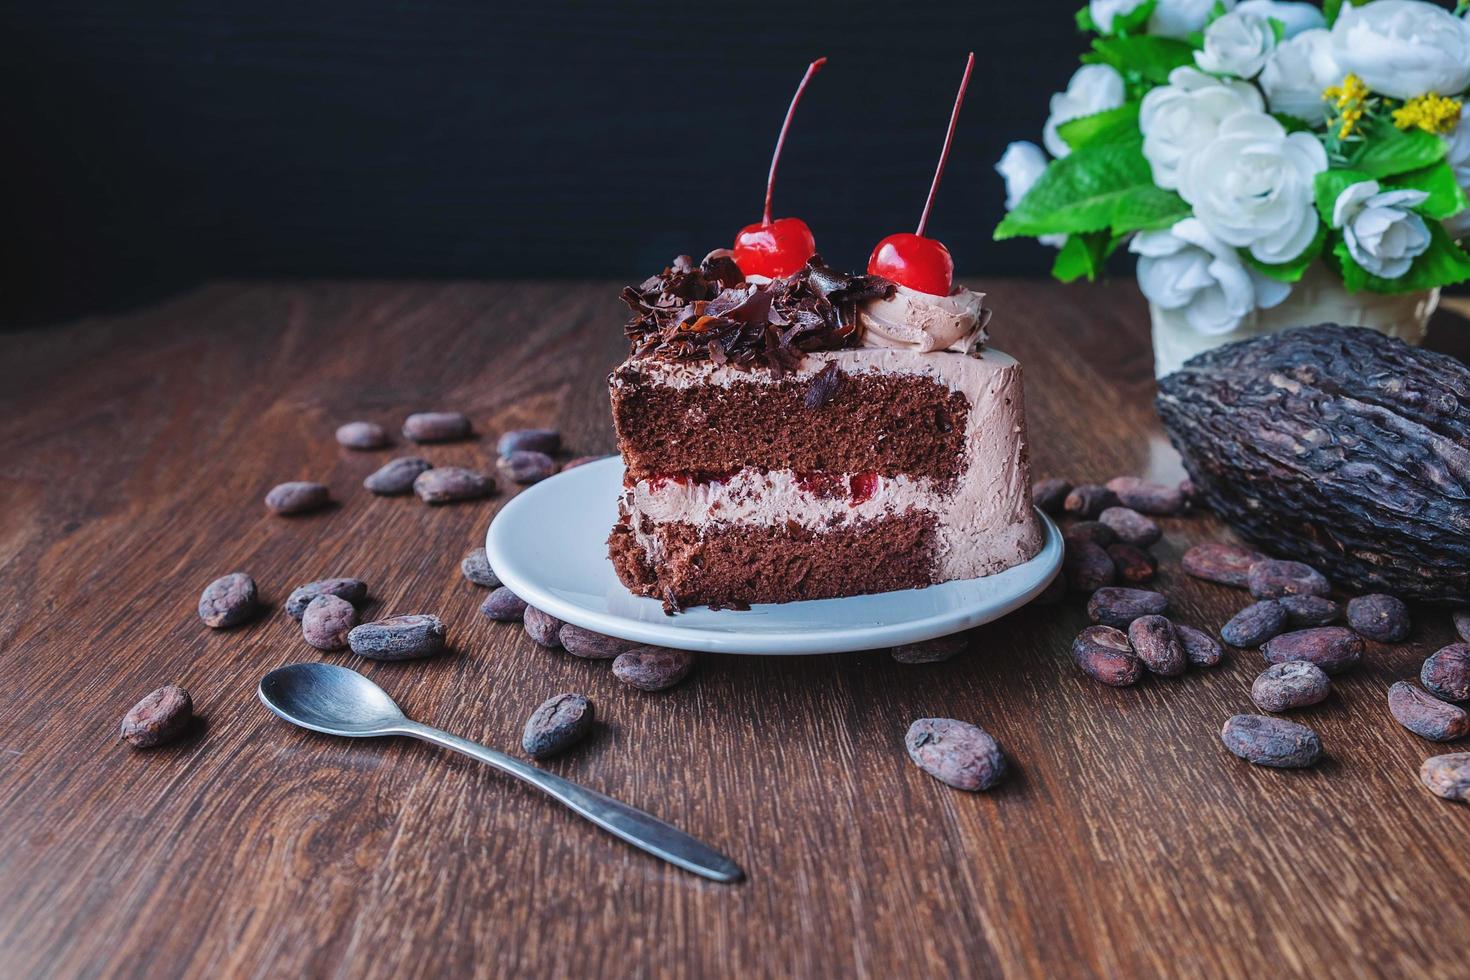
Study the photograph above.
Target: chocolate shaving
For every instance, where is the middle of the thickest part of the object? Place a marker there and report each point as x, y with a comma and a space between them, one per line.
823, 387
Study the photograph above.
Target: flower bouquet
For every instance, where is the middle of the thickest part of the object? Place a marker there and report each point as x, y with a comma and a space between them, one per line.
1269, 163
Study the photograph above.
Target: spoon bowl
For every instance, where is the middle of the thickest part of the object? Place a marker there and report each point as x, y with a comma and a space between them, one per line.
331, 699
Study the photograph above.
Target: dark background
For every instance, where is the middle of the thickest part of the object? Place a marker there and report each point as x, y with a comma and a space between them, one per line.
154, 145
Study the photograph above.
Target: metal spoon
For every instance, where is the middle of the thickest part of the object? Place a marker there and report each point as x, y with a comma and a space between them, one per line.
337, 701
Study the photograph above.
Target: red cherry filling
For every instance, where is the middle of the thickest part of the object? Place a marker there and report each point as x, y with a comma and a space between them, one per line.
914, 261
863, 485
774, 250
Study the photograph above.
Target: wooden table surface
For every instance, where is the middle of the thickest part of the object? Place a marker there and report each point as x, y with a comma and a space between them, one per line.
1127, 842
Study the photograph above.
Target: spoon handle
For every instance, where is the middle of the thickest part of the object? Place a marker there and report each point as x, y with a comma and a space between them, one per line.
631, 824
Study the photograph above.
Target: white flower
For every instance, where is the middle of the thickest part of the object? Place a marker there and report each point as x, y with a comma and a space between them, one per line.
1252, 186
1186, 268
1237, 44
1179, 118
1180, 18
1457, 155
1403, 48
1094, 88
1297, 73
1103, 12
1295, 17
1021, 166
1382, 234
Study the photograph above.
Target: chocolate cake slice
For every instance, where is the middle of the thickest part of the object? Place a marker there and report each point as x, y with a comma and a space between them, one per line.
792, 439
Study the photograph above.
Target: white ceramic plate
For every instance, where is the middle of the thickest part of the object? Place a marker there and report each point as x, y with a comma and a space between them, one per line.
549, 545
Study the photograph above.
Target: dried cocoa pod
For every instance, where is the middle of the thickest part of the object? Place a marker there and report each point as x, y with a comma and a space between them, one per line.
398, 638
327, 621
1379, 617
542, 627
1130, 526
1446, 673
1447, 776
1134, 565
1200, 648
932, 651
575, 462
396, 476
1461, 620
436, 426
160, 717
1116, 605
1147, 497
297, 497
1155, 642
1275, 742
362, 435
1095, 531
1227, 564
228, 601
592, 646
546, 441
1310, 610
956, 753
1426, 716
1050, 495
1255, 624
557, 725
449, 484
1104, 654
652, 668
526, 466
1087, 566
1089, 500
475, 566
1272, 579
1333, 648
1337, 446
1294, 684
503, 606
354, 590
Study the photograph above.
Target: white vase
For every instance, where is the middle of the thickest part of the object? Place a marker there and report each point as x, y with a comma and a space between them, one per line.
1320, 297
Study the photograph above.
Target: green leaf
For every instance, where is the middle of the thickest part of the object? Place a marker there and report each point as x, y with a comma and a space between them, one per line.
1141, 56
1085, 21
1278, 28
1445, 195
1217, 11
1389, 150
1291, 271
1084, 255
1109, 126
1443, 264
1135, 21
1331, 9
1081, 192
1330, 184
1148, 208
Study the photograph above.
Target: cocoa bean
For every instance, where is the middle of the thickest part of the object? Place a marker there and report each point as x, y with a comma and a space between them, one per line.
1146, 496
160, 717
652, 668
475, 566
1050, 495
362, 435
1310, 610
1134, 565
1087, 566
398, 638
1190, 493
592, 646
436, 426
557, 725
1103, 653
1155, 643
1255, 624
1333, 648
1267, 741
931, 651
1200, 648
354, 590
1446, 674
1461, 619
956, 753
542, 627
1379, 617
1272, 579
1095, 531
1294, 684
327, 621
228, 601
1130, 526
396, 476
1055, 592
526, 466
546, 441
1118, 606
503, 606
572, 464
449, 484
1447, 775
1227, 564
1426, 716
297, 497
1089, 500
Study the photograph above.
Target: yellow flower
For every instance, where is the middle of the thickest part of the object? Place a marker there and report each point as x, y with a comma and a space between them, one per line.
1350, 92
1431, 113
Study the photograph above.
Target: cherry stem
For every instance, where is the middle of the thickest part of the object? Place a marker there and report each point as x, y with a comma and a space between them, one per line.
954, 117
811, 70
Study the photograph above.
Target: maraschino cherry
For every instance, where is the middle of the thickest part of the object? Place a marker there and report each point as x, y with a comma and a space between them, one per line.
778, 248
911, 260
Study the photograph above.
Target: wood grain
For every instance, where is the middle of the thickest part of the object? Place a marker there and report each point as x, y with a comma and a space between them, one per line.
1127, 843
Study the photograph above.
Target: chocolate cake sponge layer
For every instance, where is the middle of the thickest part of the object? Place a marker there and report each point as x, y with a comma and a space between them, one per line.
887, 424
736, 563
